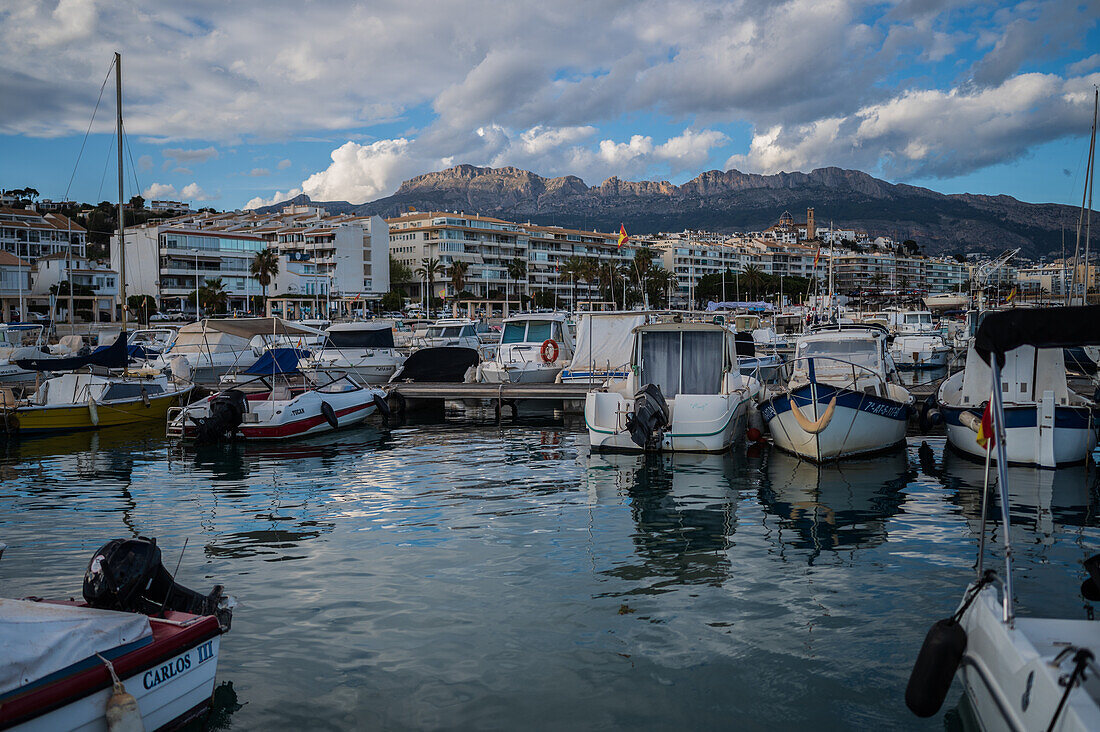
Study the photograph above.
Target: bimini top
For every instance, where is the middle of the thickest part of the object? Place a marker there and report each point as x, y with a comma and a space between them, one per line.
245, 328
1002, 331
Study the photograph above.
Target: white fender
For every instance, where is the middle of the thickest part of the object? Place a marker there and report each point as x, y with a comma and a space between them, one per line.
814, 427
93, 412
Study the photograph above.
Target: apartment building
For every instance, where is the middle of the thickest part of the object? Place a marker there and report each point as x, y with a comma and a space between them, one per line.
100, 281
15, 285
29, 234
489, 245
341, 258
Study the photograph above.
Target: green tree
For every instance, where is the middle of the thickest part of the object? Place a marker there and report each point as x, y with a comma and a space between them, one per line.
428, 270
658, 284
393, 300
573, 268
264, 267
400, 272
212, 296
753, 280
517, 270
143, 306
458, 277
137, 202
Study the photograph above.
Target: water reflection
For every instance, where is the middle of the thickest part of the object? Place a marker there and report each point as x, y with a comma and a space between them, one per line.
684, 510
837, 506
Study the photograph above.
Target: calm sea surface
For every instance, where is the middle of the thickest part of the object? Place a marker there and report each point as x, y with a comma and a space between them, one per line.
465, 575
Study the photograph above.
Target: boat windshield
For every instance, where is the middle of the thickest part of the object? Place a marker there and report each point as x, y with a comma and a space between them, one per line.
365, 338
918, 319
683, 362
835, 356
440, 331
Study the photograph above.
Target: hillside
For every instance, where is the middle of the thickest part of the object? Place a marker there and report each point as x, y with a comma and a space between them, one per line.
735, 201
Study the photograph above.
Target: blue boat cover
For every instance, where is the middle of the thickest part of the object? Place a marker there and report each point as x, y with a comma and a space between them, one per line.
113, 356
277, 361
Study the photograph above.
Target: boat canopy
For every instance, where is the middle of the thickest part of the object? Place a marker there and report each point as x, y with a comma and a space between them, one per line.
604, 341
683, 358
248, 328
277, 361
38, 638
373, 336
114, 356
759, 306
1004, 330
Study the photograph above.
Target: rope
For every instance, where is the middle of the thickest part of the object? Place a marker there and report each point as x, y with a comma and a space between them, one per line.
88, 131
1081, 660
986, 579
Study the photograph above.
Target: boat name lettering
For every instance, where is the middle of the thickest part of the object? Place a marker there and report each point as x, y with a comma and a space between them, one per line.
169, 670
768, 411
297, 411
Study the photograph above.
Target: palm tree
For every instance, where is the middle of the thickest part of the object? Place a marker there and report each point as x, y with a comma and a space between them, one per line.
213, 296
754, 278
427, 270
458, 276
517, 270
658, 284
264, 267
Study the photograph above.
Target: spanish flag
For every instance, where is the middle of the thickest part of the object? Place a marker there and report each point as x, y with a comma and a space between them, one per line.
1011, 295
985, 429
623, 238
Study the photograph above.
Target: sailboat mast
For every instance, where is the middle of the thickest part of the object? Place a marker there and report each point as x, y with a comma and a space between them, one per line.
1089, 183
121, 221
1086, 198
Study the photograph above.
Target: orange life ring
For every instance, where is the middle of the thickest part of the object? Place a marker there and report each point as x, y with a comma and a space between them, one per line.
549, 351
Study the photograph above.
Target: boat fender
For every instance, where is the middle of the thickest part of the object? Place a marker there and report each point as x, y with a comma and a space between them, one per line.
814, 428
755, 419
329, 414
93, 412
549, 351
144, 396
935, 667
971, 421
122, 712
383, 407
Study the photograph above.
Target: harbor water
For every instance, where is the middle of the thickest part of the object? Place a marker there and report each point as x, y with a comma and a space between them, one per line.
465, 575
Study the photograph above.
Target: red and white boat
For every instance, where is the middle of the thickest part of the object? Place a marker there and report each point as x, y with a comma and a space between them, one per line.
278, 412
150, 663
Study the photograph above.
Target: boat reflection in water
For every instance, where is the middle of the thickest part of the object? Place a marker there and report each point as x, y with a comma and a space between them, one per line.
684, 508
1041, 501
835, 506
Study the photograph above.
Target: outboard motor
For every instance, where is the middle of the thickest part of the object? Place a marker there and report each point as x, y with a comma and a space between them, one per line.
226, 414
930, 415
650, 417
127, 575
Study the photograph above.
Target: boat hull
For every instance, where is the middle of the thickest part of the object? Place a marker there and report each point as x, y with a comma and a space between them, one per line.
861, 423
925, 359
519, 373
700, 423
1035, 435
71, 418
288, 419
362, 373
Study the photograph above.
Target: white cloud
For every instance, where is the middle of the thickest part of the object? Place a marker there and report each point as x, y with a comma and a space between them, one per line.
181, 155
190, 192
259, 172
540, 139
283, 164
260, 201
359, 173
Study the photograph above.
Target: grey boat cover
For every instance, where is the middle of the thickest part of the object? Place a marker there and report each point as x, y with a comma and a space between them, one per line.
1004, 330
41, 638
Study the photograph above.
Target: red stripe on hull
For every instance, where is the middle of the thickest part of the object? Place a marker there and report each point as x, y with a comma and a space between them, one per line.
290, 429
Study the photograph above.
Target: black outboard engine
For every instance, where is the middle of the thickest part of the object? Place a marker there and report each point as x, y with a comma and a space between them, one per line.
226, 413
650, 417
127, 575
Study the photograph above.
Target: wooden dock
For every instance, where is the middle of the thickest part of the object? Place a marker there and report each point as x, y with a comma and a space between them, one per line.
571, 396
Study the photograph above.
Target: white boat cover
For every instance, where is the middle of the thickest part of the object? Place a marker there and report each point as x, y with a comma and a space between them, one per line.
39, 638
605, 341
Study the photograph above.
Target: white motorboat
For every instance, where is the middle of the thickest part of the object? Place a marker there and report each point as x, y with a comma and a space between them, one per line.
603, 349
276, 405
1019, 673
140, 652
1047, 423
842, 398
212, 348
533, 349
20, 341
363, 350
920, 351
683, 392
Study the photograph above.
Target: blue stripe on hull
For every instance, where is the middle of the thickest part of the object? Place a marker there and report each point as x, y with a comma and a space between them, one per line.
1026, 416
861, 401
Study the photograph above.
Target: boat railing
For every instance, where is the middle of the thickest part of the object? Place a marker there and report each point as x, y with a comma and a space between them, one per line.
855, 377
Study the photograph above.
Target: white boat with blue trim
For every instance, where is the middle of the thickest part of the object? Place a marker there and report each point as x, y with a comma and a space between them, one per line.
682, 392
842, 398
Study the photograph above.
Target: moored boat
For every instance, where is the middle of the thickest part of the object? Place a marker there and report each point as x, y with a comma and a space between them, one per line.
842, 398
533, 349
140, 651
683, 392
363, 350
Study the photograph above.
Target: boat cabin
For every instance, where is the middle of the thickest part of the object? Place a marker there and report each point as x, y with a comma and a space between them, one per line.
685, 358
852, 358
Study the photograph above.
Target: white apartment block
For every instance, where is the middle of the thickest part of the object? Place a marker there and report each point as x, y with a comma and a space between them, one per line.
15, 285
30, 235
320, 256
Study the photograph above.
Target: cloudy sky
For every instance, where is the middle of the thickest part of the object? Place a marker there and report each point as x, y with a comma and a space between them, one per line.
241, 103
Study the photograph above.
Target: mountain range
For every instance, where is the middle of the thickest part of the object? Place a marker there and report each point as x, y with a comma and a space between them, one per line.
733, 201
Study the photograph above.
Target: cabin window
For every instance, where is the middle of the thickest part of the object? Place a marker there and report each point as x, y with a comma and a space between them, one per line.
468, 331
130, 391
538, 330
683, 362
513, 333
372, 338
